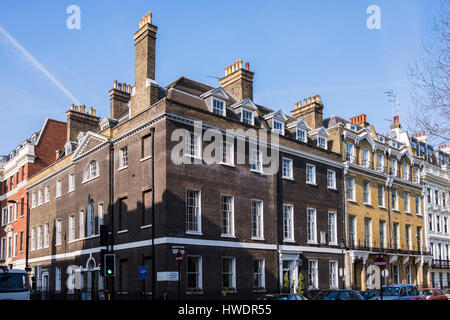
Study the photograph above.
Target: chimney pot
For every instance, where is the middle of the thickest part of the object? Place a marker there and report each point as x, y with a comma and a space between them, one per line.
247, 66
71, 106
115, 84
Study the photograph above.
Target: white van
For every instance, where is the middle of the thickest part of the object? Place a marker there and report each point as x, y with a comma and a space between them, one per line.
14, 284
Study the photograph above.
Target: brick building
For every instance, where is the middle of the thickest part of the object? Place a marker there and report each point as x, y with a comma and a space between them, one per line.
246, 226
25, 160
384, 210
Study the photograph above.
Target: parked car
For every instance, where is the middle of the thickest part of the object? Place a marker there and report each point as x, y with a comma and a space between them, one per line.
370, 294
282, 296
401, 292
338, 295
434, 294
14, 284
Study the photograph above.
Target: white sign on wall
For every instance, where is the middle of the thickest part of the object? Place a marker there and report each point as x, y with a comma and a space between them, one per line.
167, 276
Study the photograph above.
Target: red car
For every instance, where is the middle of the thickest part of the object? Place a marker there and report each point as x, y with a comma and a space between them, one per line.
434, 294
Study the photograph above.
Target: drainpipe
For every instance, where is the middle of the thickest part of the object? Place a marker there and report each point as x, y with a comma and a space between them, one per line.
152, 131
110, 280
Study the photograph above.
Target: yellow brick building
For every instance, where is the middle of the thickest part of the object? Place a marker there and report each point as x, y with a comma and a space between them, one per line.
383, 205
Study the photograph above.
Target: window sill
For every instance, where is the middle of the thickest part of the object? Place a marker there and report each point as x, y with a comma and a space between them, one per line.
258, 239
122, 168
70, 191
122, 231
227, 164
259, 290
194, 233
256, 171
146, 158
146, 226
312, 242
352, 201
332, 188
382, 207
288, 240
194, 292
311, 183
90, 179
230, 236
368, 204
396, 210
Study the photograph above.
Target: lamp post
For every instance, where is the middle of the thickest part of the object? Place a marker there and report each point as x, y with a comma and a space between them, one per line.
26, 231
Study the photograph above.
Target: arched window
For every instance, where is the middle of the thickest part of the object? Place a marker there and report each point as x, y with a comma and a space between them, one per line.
91, 170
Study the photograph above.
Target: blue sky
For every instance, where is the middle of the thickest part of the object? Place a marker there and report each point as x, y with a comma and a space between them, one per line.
296, 49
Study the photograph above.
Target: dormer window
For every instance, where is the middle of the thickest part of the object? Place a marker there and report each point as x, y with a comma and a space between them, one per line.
278, 127
247, 116
301, 135
322, 142
33, 139
380, 138
218, 107
394, 144
353, 127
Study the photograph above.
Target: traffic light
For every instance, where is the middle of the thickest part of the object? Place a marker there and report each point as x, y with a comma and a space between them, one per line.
109, 264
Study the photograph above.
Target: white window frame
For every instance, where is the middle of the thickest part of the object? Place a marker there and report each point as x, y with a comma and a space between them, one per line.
333, 274
227, 153
245, 120
198, 213
58, 232
221, 109
40, 197
332, 228
71, 184
4, 216
287, 168
256, 160
81, 224
57, 280
123, 158
46, 235
313, 274
47, 194
199, 274
368, 232
351, 187
331, 179
405, 173
395, 200
39, 237
288, 223
233, 272
33, 200
366, 193
322, 142
33, 239
380, 162
418, 205
58, 188
92, 171
258, 219
193, 146
311, 225
278, 127
407, 202
383, 197
311, 176
72, 228
229, 216
301, 135
260, 275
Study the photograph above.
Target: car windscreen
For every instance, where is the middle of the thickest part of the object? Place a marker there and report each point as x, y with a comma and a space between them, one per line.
391, 291
427, 292
13, 282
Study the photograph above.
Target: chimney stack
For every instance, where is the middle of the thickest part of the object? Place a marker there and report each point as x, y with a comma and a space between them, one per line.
78, 120
146, 88
360, 120
311, 111
119, 97
238, 81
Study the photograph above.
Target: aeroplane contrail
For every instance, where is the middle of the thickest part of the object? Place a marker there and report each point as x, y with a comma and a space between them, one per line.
37, 64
